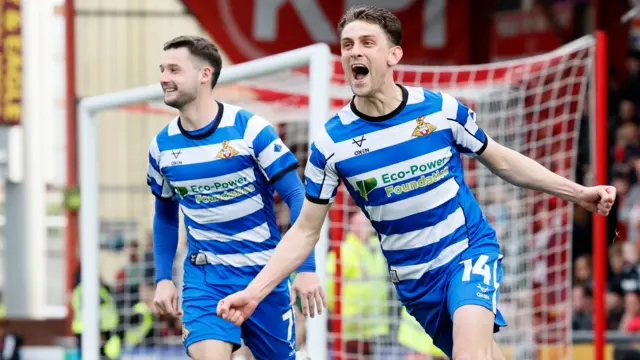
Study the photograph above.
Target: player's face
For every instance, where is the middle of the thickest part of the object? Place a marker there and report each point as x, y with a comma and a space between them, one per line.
367, 56
179, 77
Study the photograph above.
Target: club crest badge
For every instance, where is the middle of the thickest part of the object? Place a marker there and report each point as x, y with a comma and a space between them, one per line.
227, 151
424, 128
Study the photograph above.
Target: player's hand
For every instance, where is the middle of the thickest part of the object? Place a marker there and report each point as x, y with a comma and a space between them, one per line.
598, 199
166, 299
312, 296
237, 307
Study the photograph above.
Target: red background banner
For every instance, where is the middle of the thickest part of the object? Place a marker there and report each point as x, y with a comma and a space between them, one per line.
250, 29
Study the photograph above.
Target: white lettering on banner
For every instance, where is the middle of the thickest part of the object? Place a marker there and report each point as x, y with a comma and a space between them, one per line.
434, 23
320, 29
265, 20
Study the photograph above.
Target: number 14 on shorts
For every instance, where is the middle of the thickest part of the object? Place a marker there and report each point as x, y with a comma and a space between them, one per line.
481, 268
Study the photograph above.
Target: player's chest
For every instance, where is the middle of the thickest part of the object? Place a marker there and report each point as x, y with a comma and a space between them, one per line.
205, 160
416, 156
413, 139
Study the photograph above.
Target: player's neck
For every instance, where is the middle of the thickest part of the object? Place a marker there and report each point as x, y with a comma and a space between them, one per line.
199, 113
382, 102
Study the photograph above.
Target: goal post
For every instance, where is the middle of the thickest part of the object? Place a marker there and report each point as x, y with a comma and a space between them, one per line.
317, 57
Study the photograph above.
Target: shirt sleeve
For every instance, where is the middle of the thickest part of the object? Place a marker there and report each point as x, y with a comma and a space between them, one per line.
159, 185
273, 156
468, 137
321, 178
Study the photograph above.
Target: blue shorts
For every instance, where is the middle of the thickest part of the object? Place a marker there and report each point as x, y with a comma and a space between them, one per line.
473, 278
269, 332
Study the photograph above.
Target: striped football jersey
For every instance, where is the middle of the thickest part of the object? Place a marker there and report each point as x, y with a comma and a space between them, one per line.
404, 171
223, 182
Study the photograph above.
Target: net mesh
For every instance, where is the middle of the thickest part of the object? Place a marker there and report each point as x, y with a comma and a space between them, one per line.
534, 106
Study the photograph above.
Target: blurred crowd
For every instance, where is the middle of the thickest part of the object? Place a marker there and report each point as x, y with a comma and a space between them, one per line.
623, 268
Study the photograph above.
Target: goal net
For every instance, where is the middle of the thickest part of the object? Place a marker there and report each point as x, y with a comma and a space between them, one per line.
534, 105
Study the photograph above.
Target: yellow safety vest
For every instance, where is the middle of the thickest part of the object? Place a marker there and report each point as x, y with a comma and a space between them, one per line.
136, 335
108, 319
365, 285
112, 347
413, 336
108, 311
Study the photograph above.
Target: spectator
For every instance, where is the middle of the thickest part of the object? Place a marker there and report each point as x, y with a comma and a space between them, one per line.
141, 328
631, 88
628, 112
365, 289
627, 135
629, 213
630, 284
615, 294
582, 307
10, 343
582, 271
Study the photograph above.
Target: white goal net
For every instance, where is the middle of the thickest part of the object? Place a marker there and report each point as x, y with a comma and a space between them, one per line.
533, 105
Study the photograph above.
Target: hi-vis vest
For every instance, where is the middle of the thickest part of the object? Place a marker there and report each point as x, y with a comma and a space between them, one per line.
365, 285
108, 310
108, 319
137, 334
413, 336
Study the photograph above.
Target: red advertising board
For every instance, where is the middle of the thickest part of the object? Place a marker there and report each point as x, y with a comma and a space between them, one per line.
521, 33
435, 31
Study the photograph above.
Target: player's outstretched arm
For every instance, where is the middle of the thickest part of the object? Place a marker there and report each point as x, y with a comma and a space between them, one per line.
165, 243
307, 284
525, 172
294, 247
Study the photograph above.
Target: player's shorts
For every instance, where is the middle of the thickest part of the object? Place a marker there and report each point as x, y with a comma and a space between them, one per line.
269, 332
472, 278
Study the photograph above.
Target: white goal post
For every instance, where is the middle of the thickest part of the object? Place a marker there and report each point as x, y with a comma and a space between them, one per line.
317, 56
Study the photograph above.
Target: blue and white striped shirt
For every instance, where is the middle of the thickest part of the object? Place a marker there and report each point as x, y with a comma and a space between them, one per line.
223, 181
405, 172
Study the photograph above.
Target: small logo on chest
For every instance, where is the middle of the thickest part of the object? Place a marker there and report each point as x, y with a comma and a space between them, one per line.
424, 128
227, 151
359, 143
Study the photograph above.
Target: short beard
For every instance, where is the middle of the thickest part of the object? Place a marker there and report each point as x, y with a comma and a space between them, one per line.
181, 101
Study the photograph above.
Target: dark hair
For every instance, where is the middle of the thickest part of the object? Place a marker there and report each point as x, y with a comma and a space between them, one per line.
374, 15
202, 49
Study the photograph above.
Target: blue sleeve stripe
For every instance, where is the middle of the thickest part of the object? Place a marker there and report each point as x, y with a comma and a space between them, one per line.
154, 163
283, 164
312, 188
157, 189
265, 137
463, 114
317, 158
242, 120
480, 135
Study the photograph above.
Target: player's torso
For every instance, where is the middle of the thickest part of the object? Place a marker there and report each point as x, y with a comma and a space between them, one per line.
225, 198
407, 176
391, 167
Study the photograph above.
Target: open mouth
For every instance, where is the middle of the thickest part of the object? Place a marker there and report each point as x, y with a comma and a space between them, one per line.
169, 88
359, 71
